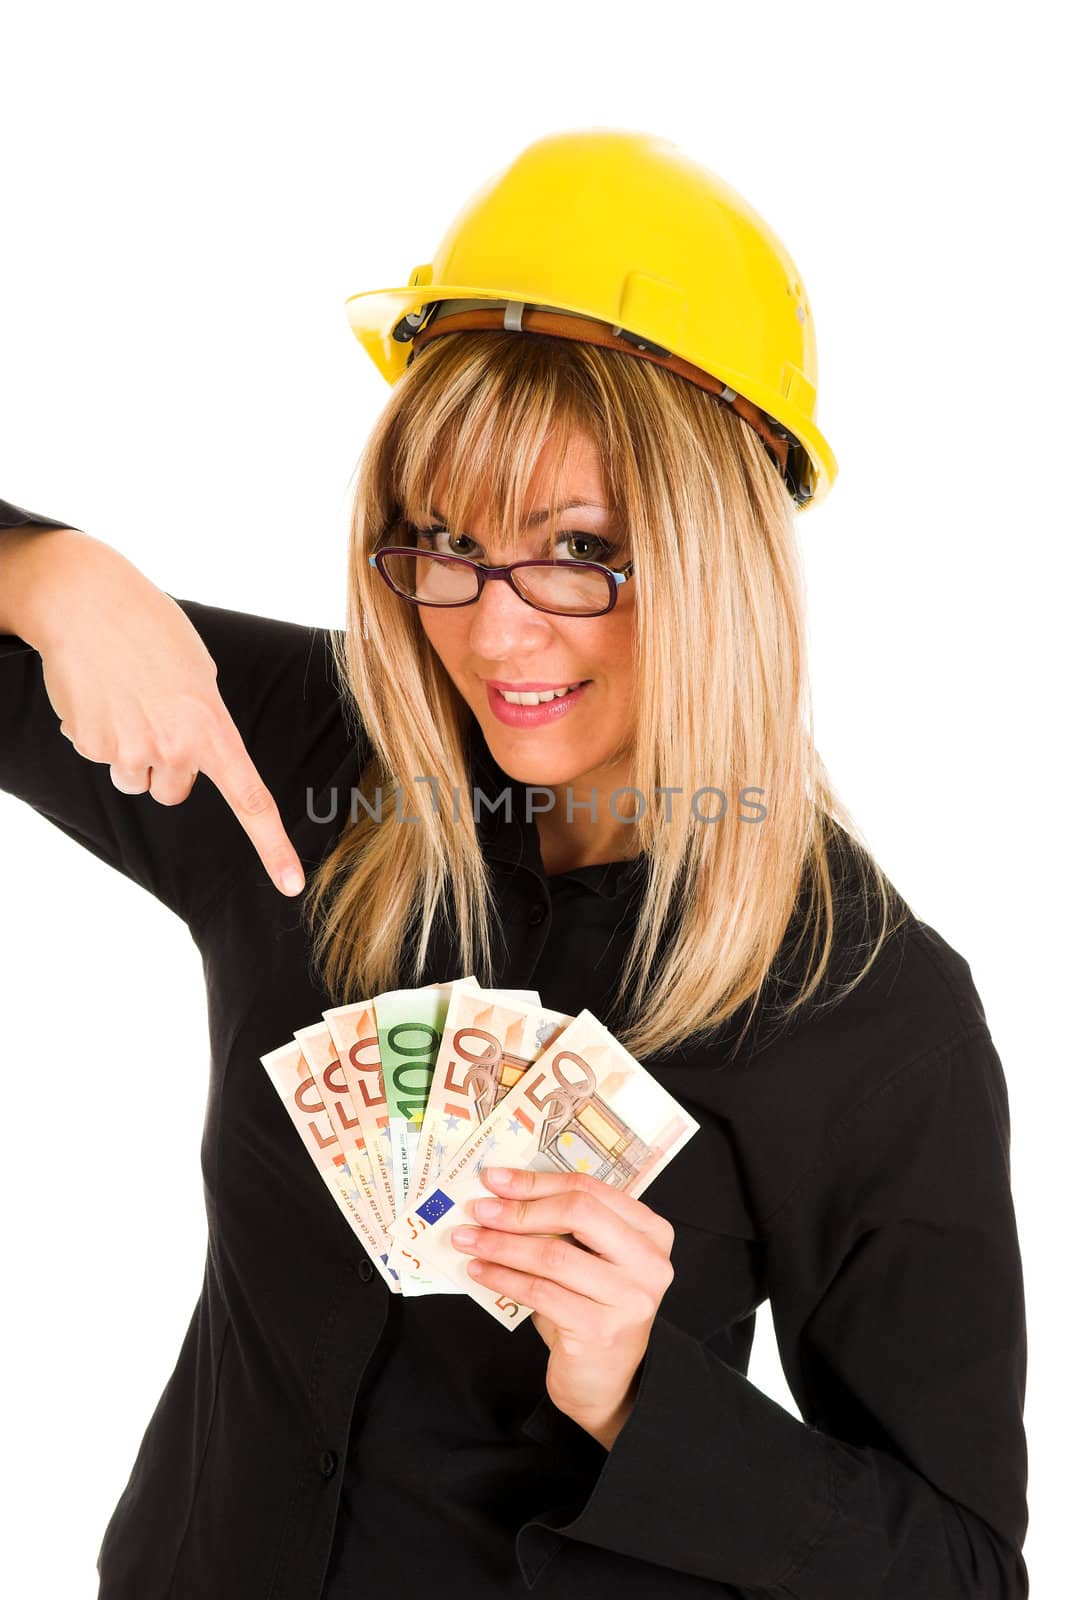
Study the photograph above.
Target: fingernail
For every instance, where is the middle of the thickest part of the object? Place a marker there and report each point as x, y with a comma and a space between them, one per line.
464, 1236
292, 880
488, 1208
500, 1175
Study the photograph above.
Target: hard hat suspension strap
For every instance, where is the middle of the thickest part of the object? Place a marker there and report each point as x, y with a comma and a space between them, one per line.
517, 317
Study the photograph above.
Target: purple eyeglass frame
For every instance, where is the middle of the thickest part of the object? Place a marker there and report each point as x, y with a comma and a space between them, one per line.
619, 574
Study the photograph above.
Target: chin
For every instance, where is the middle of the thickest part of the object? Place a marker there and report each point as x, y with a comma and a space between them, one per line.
550, 770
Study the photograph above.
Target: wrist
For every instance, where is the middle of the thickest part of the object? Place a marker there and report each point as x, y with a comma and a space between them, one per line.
605, 1427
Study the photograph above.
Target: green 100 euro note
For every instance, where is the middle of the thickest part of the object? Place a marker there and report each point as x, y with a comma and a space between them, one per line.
410, 1026
490, 1037
585, 1105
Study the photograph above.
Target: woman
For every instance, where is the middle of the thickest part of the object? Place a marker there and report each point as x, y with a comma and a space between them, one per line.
609, 329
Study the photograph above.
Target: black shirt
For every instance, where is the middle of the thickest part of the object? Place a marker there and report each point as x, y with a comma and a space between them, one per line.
320, 1437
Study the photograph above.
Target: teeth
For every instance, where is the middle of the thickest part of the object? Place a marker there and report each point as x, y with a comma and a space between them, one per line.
536, 699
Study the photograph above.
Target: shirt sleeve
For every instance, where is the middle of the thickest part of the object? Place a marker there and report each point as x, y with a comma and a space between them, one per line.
276, 678
896, 1286
12, 516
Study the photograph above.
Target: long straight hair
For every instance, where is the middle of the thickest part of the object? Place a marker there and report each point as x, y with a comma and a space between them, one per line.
721, 683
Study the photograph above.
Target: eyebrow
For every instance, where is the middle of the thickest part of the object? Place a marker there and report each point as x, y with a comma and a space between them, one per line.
536, 518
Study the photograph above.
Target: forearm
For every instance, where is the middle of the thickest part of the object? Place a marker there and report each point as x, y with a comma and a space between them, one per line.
41, 573
25, 555
710, 1478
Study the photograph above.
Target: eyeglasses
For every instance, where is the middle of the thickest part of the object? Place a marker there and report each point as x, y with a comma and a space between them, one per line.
565, 588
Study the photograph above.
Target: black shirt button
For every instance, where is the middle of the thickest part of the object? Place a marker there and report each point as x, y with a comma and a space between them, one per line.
366, 1271
327, 1463
536, 915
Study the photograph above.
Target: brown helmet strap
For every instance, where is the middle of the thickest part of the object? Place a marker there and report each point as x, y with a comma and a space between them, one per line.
518, 317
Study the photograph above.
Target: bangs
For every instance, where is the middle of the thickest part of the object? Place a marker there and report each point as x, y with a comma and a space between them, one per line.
484, 409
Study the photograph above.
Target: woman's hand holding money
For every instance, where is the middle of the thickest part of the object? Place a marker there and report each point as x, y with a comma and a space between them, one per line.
593, 1306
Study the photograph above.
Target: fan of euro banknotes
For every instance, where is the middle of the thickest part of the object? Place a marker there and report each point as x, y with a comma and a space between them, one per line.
401, 1099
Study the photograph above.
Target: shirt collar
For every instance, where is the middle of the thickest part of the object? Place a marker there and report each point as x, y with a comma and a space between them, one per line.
517, 841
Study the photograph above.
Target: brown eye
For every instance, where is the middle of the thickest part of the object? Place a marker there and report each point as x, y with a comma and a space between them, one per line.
598, 549
428, 539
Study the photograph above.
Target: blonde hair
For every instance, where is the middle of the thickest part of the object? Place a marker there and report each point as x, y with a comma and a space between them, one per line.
721, 682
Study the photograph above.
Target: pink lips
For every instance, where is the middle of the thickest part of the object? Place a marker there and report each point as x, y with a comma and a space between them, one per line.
531, 716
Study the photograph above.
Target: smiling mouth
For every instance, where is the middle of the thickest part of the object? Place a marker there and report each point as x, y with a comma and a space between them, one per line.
540, 697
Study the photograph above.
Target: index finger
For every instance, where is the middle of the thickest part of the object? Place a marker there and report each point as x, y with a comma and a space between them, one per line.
234, 774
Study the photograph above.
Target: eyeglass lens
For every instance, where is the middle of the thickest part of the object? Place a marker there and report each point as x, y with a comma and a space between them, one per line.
562, 587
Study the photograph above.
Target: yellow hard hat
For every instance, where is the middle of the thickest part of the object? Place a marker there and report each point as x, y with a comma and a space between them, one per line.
622, 230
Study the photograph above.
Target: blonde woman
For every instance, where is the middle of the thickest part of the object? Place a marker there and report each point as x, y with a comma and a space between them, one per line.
575, 656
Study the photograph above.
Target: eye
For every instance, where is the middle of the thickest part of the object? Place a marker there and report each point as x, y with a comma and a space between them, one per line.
427, 539
591, 547
599, 549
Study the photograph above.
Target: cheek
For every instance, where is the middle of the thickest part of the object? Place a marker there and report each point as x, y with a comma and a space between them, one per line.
616, 660
444, 634
613, 655
447, 638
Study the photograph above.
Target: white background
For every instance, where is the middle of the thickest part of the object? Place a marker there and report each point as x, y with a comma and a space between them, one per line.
189, 194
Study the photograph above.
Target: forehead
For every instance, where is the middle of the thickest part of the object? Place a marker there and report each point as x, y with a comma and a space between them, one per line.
570, 473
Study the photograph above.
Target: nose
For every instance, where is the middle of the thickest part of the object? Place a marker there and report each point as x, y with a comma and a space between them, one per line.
503, 627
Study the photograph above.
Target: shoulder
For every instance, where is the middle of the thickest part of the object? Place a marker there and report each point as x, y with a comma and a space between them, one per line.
854, 1061
888, 975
